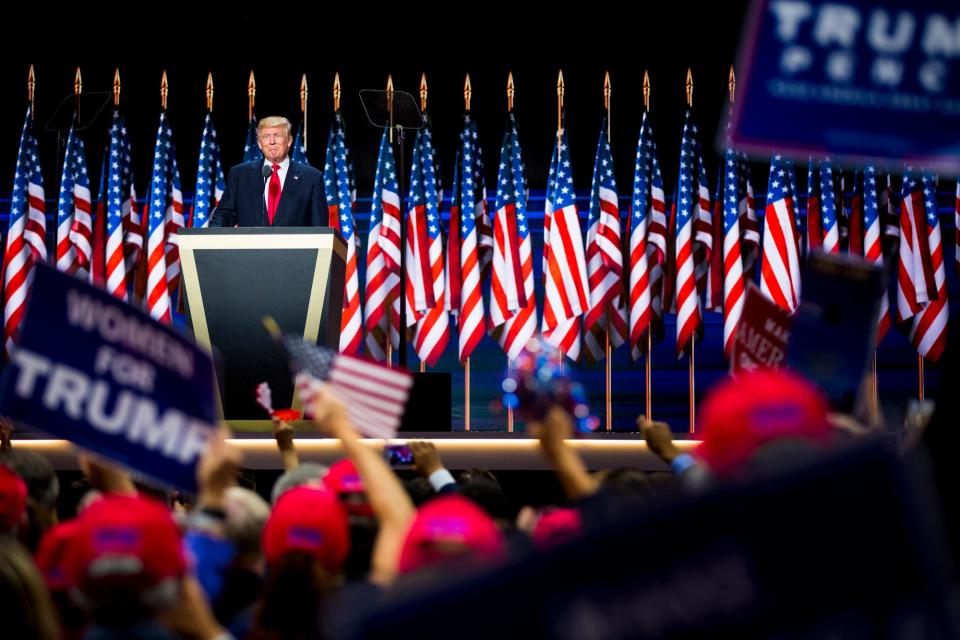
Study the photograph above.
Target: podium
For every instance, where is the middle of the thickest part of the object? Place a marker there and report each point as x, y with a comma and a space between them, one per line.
232, 278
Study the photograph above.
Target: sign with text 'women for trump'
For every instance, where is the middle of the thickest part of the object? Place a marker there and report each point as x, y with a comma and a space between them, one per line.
98, 372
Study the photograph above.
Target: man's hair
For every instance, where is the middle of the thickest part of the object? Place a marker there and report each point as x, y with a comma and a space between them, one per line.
246, 514
37, 472
274, 121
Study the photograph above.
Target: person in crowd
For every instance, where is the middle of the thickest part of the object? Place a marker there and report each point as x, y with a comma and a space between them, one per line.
345, 482
126, 566
26, 610
305, 542
43, 488
274, 192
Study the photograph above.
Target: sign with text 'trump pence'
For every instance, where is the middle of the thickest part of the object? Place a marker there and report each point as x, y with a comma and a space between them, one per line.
96, 371
859, 80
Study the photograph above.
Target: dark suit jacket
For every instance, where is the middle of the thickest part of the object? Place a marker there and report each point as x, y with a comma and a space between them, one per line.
302, 201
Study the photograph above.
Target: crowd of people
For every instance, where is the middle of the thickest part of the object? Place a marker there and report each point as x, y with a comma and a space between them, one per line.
333, 543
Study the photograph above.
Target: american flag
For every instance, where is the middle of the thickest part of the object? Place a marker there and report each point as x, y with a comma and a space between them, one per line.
564, 263
513, 308
855, 220
749, 223
382, 303
713, 295
26, 233
916, 283
165, 218
814, 232
340, 199
210, 183
646, 255
98, 240
828, 209
928, 334
298, 152
425, 280
798, 232
889, 212
780, 267
873, 247
702, 220
374, 396
124, 235
74, 221
133, 231
733, 280
251, 150
956, 222
468, 207
604, 258
688, 211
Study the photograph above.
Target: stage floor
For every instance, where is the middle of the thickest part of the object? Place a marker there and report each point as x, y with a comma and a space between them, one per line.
458, 450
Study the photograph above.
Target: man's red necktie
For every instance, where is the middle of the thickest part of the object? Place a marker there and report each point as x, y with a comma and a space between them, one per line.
273, 191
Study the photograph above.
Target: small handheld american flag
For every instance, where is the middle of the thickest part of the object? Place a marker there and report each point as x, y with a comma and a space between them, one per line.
375, 396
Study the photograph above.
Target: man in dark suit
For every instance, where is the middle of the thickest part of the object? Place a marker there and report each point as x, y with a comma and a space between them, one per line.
276, 192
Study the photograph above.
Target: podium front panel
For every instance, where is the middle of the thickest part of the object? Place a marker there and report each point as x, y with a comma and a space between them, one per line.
233, 278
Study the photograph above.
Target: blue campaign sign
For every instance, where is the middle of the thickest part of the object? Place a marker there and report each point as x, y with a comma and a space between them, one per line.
858, 79
109, 378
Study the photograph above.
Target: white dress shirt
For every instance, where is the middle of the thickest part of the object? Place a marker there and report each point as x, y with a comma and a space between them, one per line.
282, 171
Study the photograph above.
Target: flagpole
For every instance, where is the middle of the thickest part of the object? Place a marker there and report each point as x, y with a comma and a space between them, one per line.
560, 92
608, 368
389, 338
647, 366
511, 92
423, 109
303, 108
467, 95
920, 372
116, 87
693, 337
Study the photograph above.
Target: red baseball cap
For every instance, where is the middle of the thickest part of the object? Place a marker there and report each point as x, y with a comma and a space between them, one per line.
13, 498
744, 413
52, 555
446, 526
343, 480
556, 526
130, 538
309, 519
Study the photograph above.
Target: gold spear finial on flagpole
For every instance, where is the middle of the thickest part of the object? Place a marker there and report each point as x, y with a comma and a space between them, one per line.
77, 90
607, 90
467, 92
304, 95
390, 103
251, 95
210, 91
336, 91
31, 86
560, 88
511, 92
423, 92
116, 87
689, 87
164, 90
732, 83
646, 90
